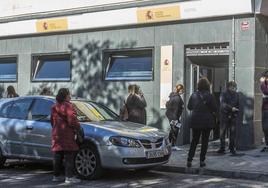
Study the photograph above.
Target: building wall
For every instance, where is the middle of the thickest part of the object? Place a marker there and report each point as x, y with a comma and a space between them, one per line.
87, 47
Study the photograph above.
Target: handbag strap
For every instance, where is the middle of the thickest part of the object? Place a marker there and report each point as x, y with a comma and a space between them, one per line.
206, 104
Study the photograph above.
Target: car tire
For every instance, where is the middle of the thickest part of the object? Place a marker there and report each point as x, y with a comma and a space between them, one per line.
87, 163
2, 159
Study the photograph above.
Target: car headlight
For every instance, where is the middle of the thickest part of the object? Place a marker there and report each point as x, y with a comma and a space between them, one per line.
124, 141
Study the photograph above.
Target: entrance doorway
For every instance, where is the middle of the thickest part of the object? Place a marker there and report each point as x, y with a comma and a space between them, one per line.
211, 61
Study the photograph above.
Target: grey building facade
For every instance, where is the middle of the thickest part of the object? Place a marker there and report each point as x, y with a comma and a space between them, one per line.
222, 48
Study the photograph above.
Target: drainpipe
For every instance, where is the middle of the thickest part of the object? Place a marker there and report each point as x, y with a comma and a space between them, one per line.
233, 49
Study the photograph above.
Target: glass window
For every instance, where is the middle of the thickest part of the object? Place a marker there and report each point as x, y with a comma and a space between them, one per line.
8, 69
129, 65
51, 68
5, 109
41, 109
19, 109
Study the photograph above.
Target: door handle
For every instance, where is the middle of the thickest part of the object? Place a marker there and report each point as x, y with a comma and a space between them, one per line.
29, 127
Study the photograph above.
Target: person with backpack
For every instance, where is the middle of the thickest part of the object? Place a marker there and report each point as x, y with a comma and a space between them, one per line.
174, 109
202, 105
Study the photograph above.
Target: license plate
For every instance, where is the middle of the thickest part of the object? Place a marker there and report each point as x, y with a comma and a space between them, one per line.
154, 154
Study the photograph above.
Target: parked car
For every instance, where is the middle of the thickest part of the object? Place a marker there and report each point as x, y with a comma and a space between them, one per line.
25, 133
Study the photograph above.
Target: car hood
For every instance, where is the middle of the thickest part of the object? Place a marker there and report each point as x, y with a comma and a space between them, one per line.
129, 129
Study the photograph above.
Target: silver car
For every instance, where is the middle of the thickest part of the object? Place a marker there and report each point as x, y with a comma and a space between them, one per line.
25, 133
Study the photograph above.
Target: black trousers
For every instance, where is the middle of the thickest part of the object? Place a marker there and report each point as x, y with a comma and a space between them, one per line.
265, 125
228, 125
195, 140
68, 157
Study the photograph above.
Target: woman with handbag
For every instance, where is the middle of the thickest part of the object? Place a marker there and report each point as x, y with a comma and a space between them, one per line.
202, 105
64, 125
174, 109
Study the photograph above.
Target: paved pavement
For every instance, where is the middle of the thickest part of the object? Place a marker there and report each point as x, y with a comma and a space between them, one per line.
38, 175
252, 164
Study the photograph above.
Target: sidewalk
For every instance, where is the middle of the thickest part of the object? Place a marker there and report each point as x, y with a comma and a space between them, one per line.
251, 164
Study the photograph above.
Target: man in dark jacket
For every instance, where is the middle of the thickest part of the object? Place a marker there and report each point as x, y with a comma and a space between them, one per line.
174, 108
229, 111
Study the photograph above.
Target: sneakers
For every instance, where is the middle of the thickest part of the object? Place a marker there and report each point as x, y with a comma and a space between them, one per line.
221, 151
72, 180
264, 149
176, 148
189, 164
56, 179
202, 164
233, 152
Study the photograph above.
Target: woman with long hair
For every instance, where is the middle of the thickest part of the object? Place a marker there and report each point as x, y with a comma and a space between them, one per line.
202, 105
11, 92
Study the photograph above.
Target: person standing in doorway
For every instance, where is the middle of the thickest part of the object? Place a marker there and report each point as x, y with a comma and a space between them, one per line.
202, 105
136, 105
174, 109
229, 108
264, 89
64, 124
11, 93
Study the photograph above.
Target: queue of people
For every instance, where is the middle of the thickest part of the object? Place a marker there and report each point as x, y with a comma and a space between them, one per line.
203, 118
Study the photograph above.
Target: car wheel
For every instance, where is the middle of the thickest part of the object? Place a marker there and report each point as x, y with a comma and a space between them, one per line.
2, 159
87, 163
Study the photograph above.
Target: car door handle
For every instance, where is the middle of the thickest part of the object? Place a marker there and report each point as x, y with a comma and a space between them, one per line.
29, 127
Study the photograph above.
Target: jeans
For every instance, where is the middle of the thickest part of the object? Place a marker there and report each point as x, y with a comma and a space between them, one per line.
195, 140
230, 125
68, 156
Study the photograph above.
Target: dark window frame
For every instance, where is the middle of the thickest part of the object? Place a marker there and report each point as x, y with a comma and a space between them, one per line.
105, 64
50, 56
7, 57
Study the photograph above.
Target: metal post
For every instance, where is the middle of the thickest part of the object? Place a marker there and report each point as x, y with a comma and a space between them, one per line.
233, 49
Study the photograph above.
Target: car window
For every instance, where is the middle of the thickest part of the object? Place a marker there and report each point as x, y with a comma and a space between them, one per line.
19, 109
87, 111
41, 109
6, 107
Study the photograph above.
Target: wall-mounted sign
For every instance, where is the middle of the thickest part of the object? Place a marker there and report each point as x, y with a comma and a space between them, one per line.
165, 74
159, 14
49, 25
244, 25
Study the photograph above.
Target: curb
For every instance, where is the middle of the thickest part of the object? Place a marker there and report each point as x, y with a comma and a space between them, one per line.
256, 176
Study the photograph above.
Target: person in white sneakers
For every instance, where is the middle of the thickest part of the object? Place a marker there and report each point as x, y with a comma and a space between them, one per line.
174, 108
64, 122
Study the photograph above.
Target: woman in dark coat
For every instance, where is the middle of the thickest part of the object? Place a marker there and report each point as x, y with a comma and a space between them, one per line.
203, 107
64, 124
136, 105
174, 108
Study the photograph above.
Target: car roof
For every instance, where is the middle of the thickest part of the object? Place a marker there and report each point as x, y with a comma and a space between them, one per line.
41, 97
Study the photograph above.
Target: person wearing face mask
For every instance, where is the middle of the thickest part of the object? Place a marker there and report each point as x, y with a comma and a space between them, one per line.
229, 108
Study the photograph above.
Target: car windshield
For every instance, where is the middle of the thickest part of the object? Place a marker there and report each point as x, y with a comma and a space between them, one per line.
89, 111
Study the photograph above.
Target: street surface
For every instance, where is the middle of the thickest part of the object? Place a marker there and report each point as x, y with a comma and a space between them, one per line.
28, 174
